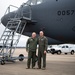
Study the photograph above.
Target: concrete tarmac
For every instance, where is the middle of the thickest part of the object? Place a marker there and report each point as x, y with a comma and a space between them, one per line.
56, 65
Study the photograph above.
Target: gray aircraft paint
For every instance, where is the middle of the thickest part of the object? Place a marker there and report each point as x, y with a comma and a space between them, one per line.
54, 17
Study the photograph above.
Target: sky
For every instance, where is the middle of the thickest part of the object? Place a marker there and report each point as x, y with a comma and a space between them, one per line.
3, 6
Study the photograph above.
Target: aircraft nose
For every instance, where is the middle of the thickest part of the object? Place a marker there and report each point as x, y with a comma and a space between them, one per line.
6, 18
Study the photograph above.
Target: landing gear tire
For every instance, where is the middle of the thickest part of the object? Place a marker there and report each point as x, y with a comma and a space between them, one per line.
59, 52
21, 57
72, 52
2, 62
65, 53
52, 52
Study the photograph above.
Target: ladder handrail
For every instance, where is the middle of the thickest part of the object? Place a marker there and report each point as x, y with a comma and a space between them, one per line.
30, 13
8, 9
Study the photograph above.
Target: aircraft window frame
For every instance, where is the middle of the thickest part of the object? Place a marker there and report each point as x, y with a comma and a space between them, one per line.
33, 2
38, 2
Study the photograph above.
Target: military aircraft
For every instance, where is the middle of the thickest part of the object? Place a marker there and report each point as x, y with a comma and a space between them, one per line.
55, 17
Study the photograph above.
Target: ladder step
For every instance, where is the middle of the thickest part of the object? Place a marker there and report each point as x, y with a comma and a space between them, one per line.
10, 35
12, 24
12, 27
7, 35
25, 18
9, 39
13, 21
6, 45
10, 44
8, 31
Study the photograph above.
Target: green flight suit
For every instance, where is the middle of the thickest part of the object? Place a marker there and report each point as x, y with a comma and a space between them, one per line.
31, 46
43, 43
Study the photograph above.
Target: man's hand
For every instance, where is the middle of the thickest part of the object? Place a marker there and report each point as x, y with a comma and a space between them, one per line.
45, 52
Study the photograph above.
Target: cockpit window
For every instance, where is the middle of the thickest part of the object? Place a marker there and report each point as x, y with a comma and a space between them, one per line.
34, 2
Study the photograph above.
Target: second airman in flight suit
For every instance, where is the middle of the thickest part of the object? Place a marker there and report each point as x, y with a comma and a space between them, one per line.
42, 42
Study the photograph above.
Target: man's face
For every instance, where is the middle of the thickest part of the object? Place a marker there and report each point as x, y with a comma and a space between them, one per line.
41, 34
33, 35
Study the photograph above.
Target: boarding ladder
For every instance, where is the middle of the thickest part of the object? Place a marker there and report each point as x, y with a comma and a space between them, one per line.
10, 38
12, 34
